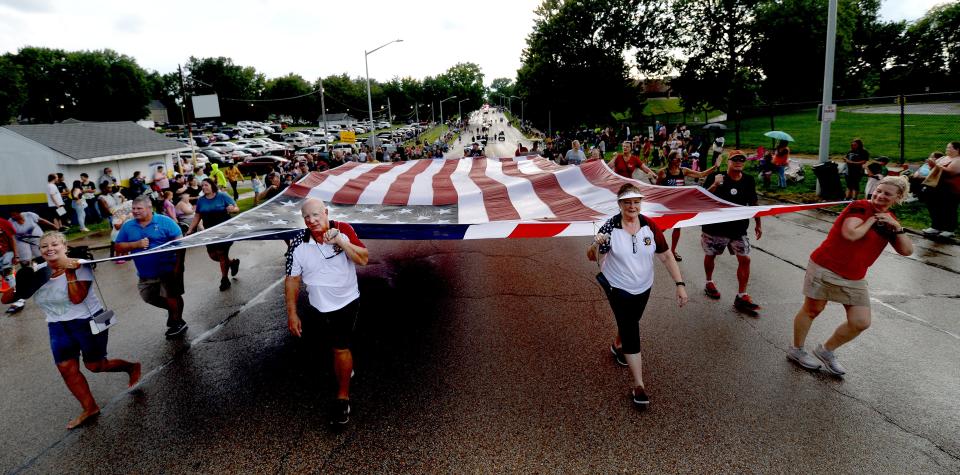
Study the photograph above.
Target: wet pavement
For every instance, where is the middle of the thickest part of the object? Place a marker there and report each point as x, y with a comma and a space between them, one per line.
491, 356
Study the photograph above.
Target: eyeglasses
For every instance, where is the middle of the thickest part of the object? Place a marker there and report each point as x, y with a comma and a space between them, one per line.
633, 237
337, 250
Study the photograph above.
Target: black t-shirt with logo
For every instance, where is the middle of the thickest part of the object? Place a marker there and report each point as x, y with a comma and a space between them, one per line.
741, 192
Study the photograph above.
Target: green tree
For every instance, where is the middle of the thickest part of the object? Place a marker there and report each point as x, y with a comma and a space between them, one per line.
295, 98
12, 95
929, 60
500, 87
573, 69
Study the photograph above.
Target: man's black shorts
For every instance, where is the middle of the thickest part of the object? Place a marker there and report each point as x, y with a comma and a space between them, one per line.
338, 324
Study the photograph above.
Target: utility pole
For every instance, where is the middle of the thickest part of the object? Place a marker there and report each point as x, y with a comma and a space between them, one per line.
323, 108
193, 149
416, 107
389, 114
824, 154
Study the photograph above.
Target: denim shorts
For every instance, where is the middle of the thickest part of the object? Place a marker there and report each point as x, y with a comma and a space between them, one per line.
70, 339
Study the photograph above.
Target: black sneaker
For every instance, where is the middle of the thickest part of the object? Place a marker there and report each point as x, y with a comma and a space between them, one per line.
341, 411
234, 267
224, 284
639, 397
177, 328
618, 355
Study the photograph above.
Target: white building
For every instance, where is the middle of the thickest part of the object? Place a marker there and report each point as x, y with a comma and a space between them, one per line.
28, 153
343, 120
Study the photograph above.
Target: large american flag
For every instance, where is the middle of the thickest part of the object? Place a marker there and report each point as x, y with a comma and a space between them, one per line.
474, 198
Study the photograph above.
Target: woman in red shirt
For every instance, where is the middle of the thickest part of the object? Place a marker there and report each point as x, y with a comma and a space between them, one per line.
837, 268
625, 163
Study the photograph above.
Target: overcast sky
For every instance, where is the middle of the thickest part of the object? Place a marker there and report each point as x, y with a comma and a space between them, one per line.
310, 38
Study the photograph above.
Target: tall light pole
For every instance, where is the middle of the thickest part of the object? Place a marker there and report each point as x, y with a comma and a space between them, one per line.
459, 110
373, 125
441, 108
521, 107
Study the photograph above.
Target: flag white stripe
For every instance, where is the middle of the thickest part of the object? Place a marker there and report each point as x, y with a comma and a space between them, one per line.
375, 192
521, 192
572, 181
421, 190
333, 183
470, 206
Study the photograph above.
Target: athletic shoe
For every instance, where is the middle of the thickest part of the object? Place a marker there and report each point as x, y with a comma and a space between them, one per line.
830, 363
639, 397
234, 267
929, 231
16, 306
677, 257
802, 358
341, 411
224, 284
176, 329
618, 355
711, 290
745, 302
946, 234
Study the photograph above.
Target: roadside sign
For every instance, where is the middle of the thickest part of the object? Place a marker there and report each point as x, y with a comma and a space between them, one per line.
348, 136
829, 113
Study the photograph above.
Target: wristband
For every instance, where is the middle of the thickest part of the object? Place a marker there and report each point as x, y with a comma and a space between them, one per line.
681, 284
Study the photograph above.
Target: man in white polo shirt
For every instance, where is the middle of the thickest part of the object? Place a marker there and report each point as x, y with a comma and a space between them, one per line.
324, 258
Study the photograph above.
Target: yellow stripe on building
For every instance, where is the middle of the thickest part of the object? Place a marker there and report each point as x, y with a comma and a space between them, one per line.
24, 199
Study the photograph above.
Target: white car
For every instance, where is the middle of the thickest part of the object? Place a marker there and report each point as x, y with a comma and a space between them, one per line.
383, 125
359, 130
224, 147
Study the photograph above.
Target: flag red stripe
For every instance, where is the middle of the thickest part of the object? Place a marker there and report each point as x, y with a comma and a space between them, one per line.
353, 188
668, 221
300, 190
496, 200
537, 230
443, 191
399, 191
563, 205
680, 200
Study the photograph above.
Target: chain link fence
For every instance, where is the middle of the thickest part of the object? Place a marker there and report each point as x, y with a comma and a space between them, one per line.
904, 128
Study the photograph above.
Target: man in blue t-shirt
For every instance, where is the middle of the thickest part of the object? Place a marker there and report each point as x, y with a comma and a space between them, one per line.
161, 274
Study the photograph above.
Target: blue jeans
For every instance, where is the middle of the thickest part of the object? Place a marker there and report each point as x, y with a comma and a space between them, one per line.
782, 177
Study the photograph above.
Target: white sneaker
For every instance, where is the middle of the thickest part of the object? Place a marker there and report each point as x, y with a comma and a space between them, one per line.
830, 363
802, 358
946, 234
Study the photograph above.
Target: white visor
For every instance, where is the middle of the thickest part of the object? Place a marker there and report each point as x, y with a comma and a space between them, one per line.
628, 195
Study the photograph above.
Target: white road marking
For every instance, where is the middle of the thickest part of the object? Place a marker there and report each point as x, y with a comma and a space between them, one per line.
914, 317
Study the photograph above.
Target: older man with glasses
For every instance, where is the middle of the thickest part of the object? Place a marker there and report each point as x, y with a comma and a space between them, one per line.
736, 187
324, 257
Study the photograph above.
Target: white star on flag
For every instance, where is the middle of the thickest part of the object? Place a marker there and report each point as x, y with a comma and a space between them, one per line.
443, 221
268, 214
366, 210
405, 211
243, 227
278, 222
289, 203
381, 216
423, 218
443, 211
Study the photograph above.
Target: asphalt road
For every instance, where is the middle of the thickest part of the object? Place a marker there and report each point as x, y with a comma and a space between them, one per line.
491, 356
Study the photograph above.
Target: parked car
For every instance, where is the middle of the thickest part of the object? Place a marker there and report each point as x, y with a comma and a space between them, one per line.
344, 147
260, 165
216, 157
224, 147
359, 130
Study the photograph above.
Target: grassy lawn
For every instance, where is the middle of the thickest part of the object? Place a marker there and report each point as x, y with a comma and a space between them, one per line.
880, 132
429, 135
245, 203
662, 105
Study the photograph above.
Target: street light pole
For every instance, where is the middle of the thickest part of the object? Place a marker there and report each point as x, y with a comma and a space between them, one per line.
441, 109
824, 152
459, 110
373, 125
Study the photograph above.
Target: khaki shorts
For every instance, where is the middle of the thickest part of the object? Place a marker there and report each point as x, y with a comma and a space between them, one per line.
822, 284
166, 286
